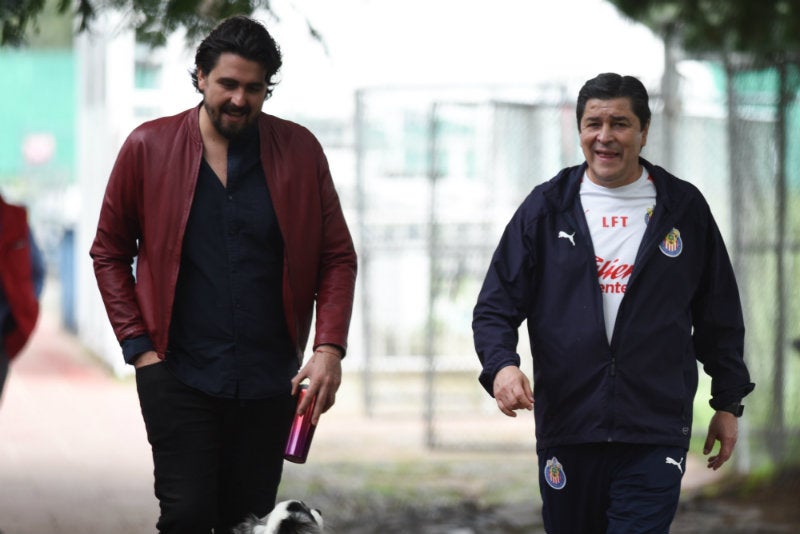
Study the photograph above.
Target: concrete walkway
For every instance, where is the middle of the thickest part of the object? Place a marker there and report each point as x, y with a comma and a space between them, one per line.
73, 451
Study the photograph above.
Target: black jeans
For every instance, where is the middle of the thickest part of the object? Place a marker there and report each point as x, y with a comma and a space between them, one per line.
215, 460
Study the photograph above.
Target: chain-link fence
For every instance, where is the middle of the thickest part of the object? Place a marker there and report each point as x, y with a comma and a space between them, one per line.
765, 204
439, 174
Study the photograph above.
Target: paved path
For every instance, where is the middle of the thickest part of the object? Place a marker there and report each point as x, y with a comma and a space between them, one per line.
73, 452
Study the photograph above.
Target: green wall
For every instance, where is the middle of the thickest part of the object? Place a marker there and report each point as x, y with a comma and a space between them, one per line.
37, 95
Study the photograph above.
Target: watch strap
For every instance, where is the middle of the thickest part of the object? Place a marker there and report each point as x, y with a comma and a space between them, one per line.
736, 408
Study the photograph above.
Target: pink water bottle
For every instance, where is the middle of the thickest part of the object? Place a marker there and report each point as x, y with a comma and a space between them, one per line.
302, 431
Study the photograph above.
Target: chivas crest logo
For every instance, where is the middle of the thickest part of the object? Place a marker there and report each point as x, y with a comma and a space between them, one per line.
672, 245
554, 474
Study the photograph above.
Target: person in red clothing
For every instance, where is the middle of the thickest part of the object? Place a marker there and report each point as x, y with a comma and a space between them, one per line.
239, 239
21, 281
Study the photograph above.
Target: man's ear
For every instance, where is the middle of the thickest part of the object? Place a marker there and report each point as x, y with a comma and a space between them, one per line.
645, 131
201, 80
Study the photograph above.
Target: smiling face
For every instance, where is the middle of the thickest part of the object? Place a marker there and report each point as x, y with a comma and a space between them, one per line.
611, 139
233, 93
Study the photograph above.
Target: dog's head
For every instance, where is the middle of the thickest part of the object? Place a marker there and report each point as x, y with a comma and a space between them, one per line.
288, 517
292, 517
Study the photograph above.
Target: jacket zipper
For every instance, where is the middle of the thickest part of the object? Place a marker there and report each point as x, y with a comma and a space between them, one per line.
587, 239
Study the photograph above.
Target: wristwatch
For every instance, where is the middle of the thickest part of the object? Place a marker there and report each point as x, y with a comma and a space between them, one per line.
736, 408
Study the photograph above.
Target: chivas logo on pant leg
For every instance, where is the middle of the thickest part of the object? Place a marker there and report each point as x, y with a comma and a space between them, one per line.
554, 474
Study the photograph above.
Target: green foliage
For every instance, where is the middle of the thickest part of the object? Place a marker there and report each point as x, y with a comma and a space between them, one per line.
52, 29
153, 20
15, 17
767, 31
157, 18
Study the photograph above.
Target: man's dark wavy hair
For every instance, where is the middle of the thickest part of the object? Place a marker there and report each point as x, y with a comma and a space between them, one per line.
244, 37
611, 85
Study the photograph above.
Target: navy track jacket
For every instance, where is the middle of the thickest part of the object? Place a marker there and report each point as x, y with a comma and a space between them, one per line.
678, 309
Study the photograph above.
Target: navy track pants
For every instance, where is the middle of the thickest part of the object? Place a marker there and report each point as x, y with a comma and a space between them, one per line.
610, 488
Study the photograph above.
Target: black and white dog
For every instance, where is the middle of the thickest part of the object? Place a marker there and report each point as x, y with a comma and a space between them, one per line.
288, 517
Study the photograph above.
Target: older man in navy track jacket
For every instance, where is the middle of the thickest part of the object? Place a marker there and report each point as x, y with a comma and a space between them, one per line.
620, 271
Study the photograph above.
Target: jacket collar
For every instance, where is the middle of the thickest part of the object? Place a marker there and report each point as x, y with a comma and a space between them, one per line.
564, 188
193, 123
670, 190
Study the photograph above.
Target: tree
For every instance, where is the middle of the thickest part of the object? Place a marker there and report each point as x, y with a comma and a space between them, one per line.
50, 29
153, 20
763, 29
747, 35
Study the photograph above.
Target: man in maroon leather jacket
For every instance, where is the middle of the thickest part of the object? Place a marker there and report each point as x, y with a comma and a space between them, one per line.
183, 202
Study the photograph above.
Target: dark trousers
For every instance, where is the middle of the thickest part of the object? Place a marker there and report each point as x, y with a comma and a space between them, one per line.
215, 460
610, 488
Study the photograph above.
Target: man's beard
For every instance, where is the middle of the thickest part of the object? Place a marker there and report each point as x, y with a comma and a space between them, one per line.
235, 131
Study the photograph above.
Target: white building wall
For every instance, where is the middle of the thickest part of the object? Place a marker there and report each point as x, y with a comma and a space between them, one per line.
109, 108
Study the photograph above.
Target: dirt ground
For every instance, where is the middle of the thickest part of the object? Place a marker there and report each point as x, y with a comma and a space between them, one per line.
732, 507
742, 505
696, 516
368, 483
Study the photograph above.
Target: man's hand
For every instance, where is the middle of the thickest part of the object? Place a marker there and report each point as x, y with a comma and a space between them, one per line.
724, 427
146, 358
324, 371
512, 390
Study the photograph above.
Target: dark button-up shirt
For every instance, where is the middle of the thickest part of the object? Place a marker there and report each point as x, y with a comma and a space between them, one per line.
228, 335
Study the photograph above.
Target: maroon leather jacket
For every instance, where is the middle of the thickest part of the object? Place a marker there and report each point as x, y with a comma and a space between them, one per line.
17, 277
146, 207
